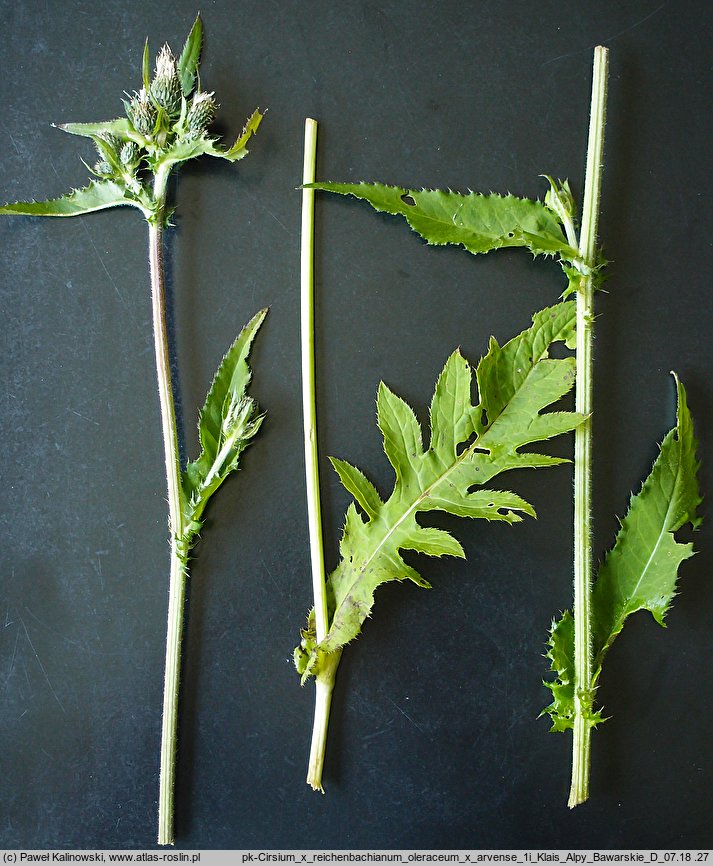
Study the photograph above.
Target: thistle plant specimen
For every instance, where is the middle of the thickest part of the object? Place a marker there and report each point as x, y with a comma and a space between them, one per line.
469, 445
165, 125
641, 570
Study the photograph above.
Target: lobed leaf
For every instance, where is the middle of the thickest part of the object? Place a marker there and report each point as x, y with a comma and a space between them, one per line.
98, 195
641, 570
228, 421
465, 452
480, 223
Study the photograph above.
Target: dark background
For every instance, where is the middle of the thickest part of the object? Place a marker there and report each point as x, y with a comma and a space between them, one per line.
435, 740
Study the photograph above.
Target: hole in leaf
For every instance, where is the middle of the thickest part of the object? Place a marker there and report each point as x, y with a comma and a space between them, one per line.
408, 199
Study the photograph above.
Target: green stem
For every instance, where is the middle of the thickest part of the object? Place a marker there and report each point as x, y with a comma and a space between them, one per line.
583, 691
324, 680
177, 580
309, 403
324, 686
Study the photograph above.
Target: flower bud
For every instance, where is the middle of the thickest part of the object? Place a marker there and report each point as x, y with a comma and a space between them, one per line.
110, 139
200, 114
142, 112
103, 168
166, 86
129, 153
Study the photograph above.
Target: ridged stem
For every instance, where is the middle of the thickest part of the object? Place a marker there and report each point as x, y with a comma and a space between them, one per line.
177, 579
583, 693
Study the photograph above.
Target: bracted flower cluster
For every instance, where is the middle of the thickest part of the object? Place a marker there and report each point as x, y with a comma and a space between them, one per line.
167, 111
166, 124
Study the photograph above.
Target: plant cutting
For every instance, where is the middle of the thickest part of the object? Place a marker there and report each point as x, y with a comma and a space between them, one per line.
166, 124
632, 577
469, 446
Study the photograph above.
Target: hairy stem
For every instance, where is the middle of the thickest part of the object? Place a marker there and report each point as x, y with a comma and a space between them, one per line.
583, 693
177, 580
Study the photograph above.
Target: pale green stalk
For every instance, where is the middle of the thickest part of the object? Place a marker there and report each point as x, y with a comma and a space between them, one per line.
309, 407
328, 664
583, 693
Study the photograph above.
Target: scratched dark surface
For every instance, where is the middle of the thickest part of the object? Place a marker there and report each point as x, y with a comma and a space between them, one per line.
435, 741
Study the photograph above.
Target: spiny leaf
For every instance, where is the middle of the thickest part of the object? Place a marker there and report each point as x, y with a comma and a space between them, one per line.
99, 195
641, 570
228, 421
239, 149
480, 223
120, 127
465, 452
560, 652
358, 485
190, 57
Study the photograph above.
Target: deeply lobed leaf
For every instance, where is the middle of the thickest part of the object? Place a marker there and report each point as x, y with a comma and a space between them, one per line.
466, 451
480, 223
641, 570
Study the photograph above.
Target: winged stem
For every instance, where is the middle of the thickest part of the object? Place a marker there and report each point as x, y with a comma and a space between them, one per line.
583, 693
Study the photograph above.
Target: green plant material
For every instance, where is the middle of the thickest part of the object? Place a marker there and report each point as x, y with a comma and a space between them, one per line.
320, 613
166, 124
227, 423
479, 223
641, 570
469, 446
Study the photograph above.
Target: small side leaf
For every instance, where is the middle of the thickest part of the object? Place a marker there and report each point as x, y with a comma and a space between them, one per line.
228, 421
146, 67
120, 128
99, 195
239, 149
560, 652
358, 485
402, 434
190, 57
432, 542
